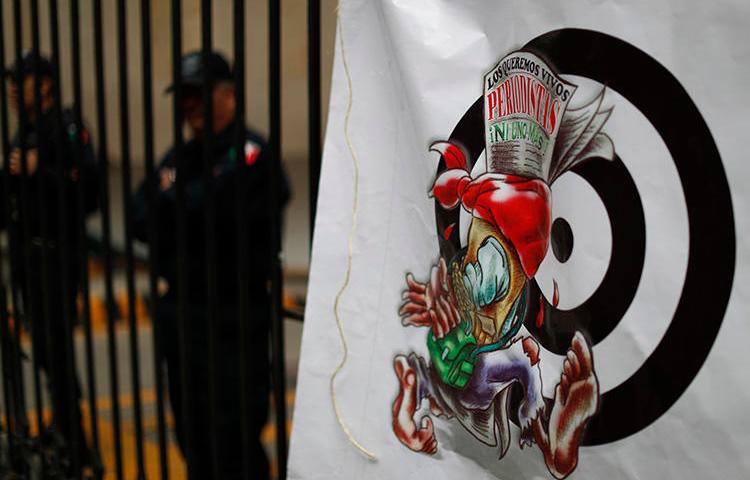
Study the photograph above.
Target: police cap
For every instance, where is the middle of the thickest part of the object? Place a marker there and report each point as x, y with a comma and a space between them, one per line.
193, 70
28, 64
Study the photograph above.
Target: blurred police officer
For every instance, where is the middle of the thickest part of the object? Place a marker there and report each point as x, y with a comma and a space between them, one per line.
254, 165
47, 138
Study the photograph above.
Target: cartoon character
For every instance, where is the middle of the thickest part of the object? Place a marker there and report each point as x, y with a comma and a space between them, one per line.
475, 303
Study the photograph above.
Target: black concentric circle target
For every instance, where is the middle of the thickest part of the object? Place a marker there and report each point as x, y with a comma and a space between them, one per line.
650, 87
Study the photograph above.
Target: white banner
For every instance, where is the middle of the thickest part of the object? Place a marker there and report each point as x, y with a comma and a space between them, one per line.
546, 208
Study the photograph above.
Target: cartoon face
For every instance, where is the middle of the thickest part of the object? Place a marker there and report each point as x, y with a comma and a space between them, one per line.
488, 281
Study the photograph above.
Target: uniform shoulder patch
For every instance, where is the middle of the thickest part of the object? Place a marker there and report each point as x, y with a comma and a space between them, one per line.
252, 152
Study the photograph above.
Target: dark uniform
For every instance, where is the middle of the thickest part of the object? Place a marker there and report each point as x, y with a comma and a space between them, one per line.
50, 252
254, 165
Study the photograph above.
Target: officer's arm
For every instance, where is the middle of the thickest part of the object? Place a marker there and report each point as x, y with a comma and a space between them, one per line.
256, 193
140, 207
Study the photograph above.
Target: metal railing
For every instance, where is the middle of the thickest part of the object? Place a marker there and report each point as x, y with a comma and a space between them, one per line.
41, 242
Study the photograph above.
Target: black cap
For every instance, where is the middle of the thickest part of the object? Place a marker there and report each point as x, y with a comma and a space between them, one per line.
193, 72
28, 64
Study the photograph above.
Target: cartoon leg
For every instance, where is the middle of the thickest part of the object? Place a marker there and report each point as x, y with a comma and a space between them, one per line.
419, 439
496, 370
576, 401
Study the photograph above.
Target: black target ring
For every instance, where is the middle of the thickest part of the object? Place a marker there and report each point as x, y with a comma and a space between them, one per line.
645, 83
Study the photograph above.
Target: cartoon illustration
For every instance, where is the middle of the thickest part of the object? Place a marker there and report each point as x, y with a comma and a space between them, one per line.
475, 303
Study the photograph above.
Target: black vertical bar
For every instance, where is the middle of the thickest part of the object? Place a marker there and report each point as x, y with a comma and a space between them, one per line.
9, 361
43, 228
82, 242
16, 450
148, 146
4, 331
101, 116
277, 320
243, 280
4, 341
122, 60
9, 352
208, 167
183, 328
63, 242
4, 130
313, 98
26, 233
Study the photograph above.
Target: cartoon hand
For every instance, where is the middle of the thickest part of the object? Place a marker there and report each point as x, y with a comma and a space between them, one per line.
416, 310
431, 304
445, 316
488, 279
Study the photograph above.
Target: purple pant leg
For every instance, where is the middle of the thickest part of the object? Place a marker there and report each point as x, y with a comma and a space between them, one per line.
493, 372
497, 370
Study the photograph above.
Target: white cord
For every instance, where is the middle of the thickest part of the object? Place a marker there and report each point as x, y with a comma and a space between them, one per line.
350, 250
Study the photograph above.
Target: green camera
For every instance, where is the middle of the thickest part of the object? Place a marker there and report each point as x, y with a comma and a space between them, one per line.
452, 355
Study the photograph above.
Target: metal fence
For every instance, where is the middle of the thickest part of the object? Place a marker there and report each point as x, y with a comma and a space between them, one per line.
41, 241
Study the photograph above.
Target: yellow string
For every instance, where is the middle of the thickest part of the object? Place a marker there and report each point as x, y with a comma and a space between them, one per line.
355, 205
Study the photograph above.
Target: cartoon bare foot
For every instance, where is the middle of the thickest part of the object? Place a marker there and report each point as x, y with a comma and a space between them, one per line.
419, 439
576, 401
